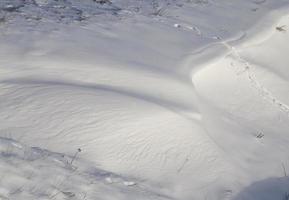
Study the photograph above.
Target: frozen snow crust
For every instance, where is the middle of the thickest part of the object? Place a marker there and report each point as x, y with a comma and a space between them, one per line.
175, 99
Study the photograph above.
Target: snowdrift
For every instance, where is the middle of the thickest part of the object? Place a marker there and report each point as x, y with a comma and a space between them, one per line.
175, 95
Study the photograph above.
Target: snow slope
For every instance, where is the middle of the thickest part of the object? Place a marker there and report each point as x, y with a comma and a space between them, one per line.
188, 97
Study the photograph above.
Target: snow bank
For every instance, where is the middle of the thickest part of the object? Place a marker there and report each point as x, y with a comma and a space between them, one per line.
251, 92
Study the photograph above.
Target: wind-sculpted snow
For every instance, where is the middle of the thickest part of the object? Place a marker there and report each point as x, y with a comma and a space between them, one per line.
187, 98
34, 173
114, 128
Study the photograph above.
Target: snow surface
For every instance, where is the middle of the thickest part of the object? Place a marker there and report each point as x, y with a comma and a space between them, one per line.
33, 173
166, 99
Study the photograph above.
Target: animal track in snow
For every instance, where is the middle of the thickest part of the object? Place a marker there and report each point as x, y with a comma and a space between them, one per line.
248, 70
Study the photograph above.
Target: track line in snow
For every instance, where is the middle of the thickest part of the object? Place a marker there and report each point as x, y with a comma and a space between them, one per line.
248, 70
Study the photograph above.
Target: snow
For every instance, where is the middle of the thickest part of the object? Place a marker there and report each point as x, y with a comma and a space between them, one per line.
34, 173
165, 99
